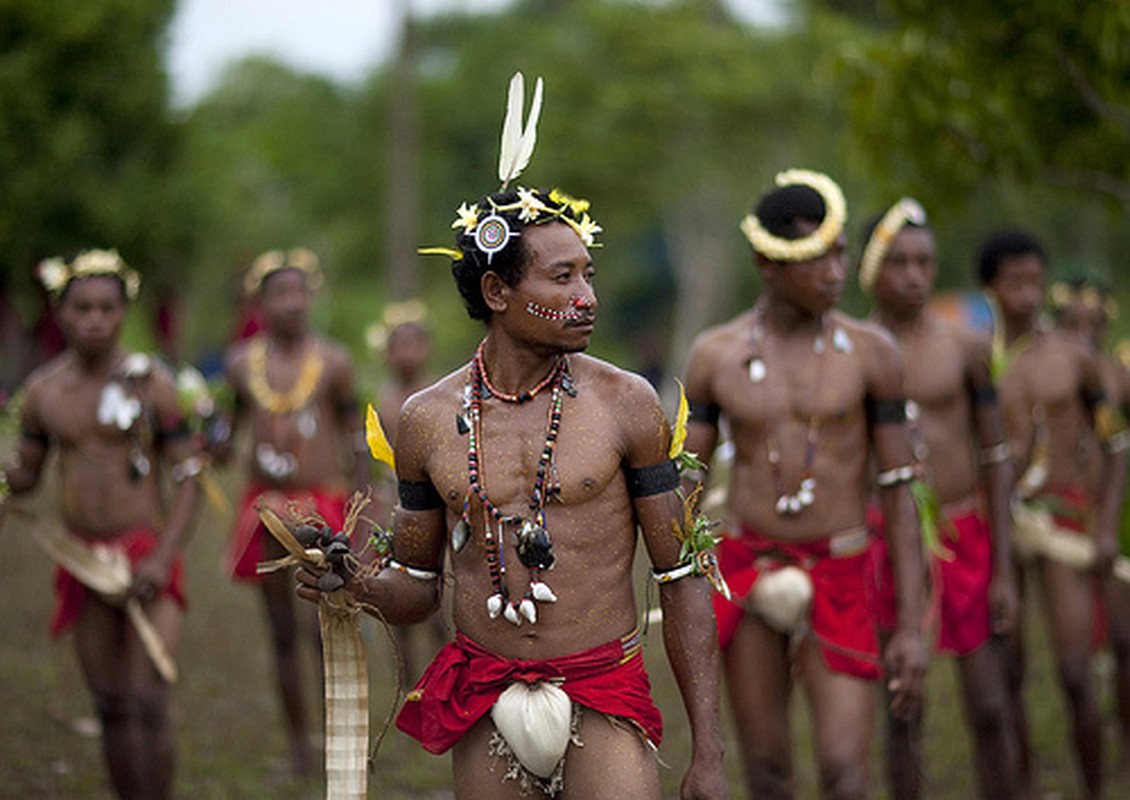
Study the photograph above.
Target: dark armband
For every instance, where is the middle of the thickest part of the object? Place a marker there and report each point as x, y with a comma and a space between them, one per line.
653, 480
348, 406
1093, 398
984, 395
708, 413
885, 410
418, 496
36, 437
179, 430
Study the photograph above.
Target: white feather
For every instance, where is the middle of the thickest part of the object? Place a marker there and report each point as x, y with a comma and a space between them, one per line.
517, 143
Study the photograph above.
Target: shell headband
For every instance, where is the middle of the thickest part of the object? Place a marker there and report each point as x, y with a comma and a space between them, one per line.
1091, 296
275, 260
490, 226
906, 210
55, 273
815, 244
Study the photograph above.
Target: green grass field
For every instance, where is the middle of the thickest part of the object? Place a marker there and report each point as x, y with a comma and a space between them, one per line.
231, 738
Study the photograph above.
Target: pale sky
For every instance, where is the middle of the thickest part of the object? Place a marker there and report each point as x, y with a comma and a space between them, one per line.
342, 39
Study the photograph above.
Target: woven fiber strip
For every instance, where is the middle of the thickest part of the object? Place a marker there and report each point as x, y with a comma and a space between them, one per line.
347, 700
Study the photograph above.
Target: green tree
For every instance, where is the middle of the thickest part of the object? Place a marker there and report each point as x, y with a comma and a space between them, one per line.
86, 144
1035, 90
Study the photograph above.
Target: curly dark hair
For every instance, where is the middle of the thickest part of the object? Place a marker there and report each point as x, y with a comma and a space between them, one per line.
508, 263
1004, 244
780, 210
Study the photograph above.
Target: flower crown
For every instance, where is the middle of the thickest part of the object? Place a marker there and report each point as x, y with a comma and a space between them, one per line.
906, 210
1063, 294
815, 244
488, 226
275, 260
55, 273
405, 312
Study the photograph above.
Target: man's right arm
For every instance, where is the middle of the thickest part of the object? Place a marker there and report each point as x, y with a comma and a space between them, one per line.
407, 590
21, 472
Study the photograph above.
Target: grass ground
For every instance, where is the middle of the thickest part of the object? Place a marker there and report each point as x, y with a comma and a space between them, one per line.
232, 743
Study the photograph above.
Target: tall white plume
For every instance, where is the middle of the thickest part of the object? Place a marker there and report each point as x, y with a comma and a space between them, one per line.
518, 144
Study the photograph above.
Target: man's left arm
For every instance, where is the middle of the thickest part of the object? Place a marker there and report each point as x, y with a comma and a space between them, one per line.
1110, 428
184, 460
689, 635
905, 655
350, 426
994, 464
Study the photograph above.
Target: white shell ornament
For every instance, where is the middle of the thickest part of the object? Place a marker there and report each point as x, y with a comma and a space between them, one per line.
757, 370
492, 235
459, 536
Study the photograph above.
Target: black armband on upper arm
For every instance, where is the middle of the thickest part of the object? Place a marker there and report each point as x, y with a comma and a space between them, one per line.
656, 479
705, 412
36, 437
178, 431
983, 395
1093, 398
885, 410
418, 496
346, 406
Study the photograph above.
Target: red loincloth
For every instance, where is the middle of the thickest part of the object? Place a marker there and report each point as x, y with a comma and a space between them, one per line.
247, 551
70, 593
463, 681
840, 618
963, 605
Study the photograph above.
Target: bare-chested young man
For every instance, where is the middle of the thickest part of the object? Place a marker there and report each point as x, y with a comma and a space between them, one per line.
294, 390
407, 349
957, 433
812, 398
114, 420
547, 457
1069, 485
1084, 309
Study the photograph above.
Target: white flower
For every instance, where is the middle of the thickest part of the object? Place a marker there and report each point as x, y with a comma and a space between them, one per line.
467, 217
530, 207
116, 408
136, 365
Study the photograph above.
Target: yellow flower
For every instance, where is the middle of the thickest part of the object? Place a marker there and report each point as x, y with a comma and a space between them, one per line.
679, 434
575, 204
376, 439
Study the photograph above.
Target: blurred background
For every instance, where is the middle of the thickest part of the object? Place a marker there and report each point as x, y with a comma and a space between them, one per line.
193, 135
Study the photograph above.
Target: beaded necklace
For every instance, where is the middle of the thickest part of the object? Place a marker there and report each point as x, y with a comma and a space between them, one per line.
805, 495
535, 550
293, 399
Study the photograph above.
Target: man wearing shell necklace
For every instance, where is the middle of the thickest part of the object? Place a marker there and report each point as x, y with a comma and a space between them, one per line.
811, 399
112, 422
294, 390
962, 492
548, 461
1068, 450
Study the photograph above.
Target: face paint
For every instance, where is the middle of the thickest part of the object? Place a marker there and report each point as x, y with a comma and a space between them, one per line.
573, 313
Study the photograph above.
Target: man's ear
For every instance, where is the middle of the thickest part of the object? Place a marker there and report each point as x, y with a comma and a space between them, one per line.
496, 294
767, 268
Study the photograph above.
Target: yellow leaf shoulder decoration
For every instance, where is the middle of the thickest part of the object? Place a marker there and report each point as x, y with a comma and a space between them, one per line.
677, 452
376, 439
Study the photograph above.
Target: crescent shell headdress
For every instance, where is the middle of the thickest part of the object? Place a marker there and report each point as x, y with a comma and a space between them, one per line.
814, 244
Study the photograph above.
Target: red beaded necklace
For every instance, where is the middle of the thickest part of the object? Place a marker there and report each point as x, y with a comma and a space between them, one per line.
533, 543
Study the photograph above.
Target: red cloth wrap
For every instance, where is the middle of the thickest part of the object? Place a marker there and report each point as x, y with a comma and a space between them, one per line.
841, 619
136, 543
246, 550
963, 605
463, 681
